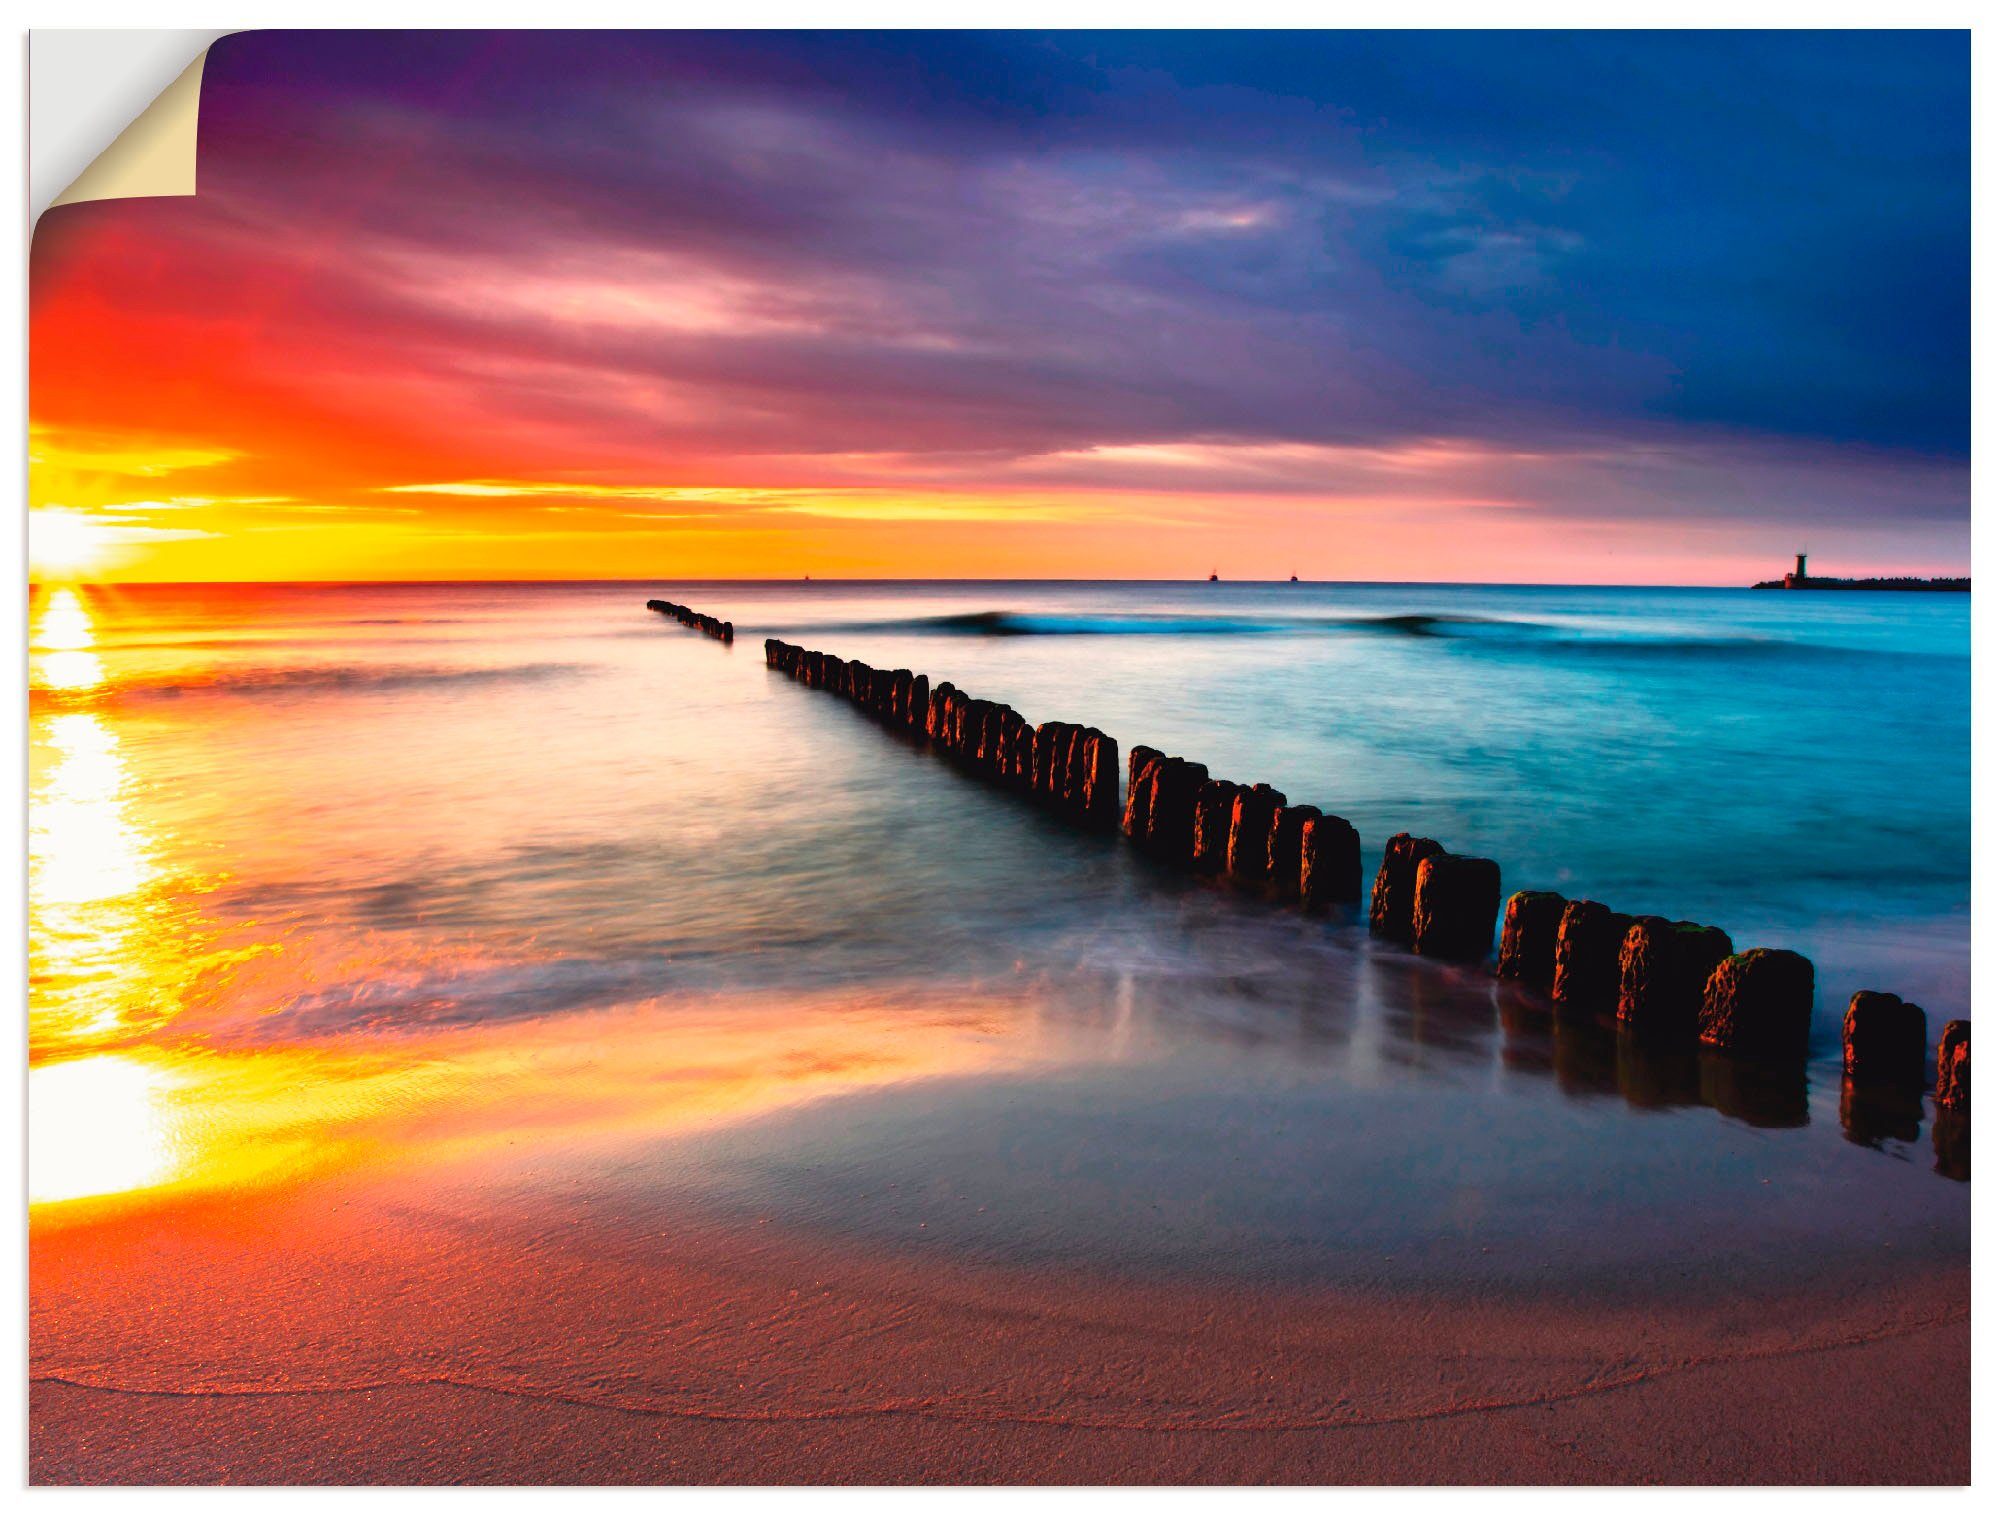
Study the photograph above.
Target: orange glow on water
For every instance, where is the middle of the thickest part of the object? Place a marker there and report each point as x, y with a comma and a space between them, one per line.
177, 1120
151, 1075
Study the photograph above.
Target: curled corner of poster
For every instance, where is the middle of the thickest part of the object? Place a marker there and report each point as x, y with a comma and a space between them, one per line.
82, 91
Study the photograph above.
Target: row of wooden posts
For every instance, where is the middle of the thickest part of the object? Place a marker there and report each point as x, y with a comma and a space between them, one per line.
1073, 770
1666, 982
722, 631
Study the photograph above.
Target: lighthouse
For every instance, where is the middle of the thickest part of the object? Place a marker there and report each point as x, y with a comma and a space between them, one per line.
1796, 579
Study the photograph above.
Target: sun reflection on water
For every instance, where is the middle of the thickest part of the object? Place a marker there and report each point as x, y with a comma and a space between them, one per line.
84, 847
175, 1051
100, 1126
61, 645
92, 870
98, 950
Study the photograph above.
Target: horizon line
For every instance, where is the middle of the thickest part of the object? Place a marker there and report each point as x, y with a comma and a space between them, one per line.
73, 583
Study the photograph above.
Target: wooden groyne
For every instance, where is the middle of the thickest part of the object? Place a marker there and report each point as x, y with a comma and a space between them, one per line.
722, 631
1068, 769
1673, 986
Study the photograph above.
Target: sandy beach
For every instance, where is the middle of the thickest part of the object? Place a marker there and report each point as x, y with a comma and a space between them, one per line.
358, 1336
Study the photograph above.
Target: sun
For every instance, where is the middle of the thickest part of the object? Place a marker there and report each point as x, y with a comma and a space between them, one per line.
66, 544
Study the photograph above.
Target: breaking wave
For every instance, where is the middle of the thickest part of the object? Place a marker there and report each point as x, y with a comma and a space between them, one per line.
1551, 637
1014, 623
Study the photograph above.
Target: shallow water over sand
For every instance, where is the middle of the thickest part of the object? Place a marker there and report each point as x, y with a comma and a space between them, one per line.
528, 897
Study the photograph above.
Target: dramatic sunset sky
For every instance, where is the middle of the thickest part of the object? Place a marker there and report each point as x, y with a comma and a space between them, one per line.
1607, 308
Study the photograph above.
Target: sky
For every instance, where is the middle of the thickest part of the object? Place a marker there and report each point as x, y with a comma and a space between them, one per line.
1516, 307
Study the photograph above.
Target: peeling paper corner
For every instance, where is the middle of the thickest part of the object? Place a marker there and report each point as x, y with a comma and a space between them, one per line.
154, 155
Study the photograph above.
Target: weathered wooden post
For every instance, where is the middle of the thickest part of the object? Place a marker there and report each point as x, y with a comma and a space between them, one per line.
1004, 741
1663, 971
1213, 803
1951, 1132
964, 725
986, 737
1885, 1060
1176, 781
1883, 1040
1528, 938
1759, 1004
1052, 767
1454, 906
1143, 764
1284, 862
1589, 941
1076, 763
1020, 757
1954, 1067
1250, 818
1329, 862
1392, 905
1100, 783
1045, 762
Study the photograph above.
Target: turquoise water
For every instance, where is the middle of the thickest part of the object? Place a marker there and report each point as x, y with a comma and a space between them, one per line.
1795, 768
369, 813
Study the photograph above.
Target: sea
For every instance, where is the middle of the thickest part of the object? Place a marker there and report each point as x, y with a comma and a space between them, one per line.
525, 890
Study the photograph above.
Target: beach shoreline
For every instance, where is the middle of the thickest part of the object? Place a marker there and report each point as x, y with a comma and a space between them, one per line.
736, 1353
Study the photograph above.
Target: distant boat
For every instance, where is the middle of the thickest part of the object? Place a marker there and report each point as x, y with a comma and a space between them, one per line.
1295, 578
1212, 578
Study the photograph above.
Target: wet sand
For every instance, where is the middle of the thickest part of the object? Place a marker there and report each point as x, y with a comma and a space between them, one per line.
1902, 1431
359, 1333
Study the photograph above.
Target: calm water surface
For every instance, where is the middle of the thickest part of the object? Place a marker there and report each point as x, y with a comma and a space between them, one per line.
527, 886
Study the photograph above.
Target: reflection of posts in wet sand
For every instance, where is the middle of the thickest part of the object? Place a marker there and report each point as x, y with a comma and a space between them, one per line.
1578, 1051
1653, 1075
1586, 1057
1326, 1022
1591, 1056
1951, 1141
1575, 1050
1446, 1013
1757, 1093
1527, 1035
1874, 1113
1594, 1058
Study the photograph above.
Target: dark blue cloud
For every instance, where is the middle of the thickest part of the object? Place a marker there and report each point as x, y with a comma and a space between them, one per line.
1133, 236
